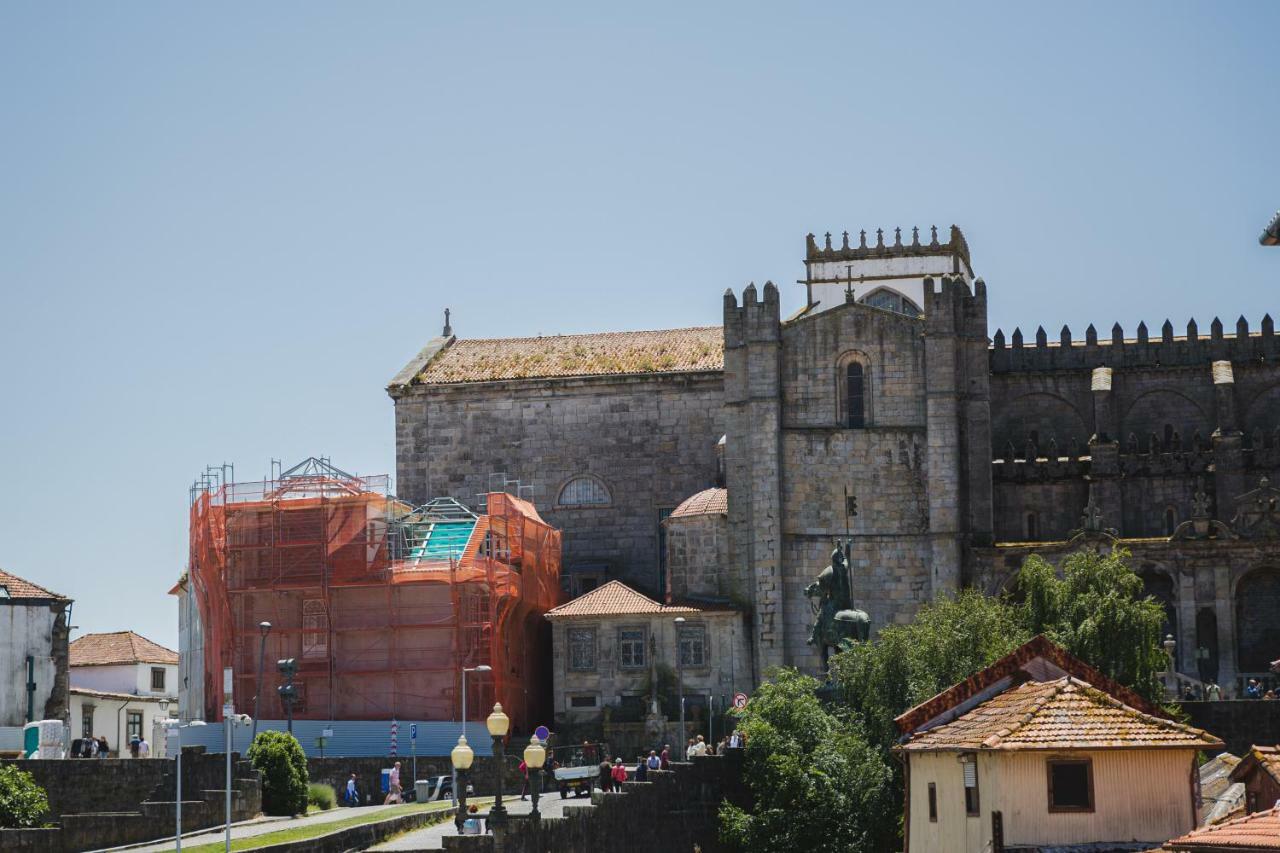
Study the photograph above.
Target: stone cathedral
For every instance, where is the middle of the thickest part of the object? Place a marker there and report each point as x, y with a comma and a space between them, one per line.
719, 463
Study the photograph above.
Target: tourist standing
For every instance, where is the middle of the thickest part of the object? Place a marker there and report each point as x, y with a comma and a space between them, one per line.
666, 757
144, 748
619, 774
654, 762
606, 775
642, 769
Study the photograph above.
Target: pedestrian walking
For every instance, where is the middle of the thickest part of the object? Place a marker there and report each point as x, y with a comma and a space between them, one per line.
524, 780
144, 748
606, 776
350, 796
133, 748
666, 757
103, 750
393, 786
619, 773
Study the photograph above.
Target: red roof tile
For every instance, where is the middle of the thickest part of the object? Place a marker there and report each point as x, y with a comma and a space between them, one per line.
1257, 831
706, 502
1010, 665
616, 599
17, 587
1062, 714
603, 354
121, 647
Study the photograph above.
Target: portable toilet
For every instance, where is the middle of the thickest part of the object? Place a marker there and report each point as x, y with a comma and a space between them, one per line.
44, 739
386, 781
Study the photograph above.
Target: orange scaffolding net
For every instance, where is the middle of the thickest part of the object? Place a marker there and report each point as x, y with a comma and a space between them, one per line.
381, 604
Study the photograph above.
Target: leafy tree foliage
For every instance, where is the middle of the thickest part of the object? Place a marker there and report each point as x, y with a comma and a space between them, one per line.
825, 777
23, 803
817, 784
279, 758
1096, 611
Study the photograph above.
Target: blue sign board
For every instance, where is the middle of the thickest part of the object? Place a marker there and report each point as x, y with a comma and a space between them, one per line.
413, 731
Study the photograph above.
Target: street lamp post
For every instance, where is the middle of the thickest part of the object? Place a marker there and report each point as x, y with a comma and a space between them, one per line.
535, 756
461, 758
684, 742
481, 668
265, 628
174, 729
498, 723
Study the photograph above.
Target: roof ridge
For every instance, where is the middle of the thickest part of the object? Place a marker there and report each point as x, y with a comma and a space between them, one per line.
613, 333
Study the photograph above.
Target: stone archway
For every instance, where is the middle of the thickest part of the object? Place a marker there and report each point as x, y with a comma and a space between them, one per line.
1257, 602
1160, 586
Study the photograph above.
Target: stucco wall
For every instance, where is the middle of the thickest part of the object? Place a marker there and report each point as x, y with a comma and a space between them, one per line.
27, 629
125, 678
1139, 795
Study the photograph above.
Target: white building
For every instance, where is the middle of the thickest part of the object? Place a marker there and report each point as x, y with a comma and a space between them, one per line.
33, 651
122, 684
190, 685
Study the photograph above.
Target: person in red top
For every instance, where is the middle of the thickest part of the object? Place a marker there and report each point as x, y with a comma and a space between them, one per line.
524, 785
666, 757
619, 774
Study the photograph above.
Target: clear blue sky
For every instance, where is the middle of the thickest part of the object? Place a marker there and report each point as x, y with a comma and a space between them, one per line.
225, 227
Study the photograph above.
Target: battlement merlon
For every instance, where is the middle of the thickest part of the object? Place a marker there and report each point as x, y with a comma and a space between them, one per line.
1142, 350
883, 262
758, 318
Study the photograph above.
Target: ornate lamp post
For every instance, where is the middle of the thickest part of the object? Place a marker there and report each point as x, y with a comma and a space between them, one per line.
461, 758
535, 756
684, 742
498, 724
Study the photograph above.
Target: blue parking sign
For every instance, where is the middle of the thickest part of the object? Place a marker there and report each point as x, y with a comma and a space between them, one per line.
413, 731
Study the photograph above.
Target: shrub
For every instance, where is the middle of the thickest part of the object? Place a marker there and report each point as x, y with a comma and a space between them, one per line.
321, 796
23, 803
279, 758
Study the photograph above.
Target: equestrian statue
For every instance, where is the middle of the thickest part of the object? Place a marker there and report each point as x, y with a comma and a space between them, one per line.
836, 619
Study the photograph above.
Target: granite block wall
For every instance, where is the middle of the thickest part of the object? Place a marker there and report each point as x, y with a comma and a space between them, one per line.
649, 439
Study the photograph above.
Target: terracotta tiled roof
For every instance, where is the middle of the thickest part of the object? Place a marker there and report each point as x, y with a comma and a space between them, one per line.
1062, 714
1265, 758
17, 587
607, 353
1010, 665
1257, 831
705, 502
616, 599
121, 647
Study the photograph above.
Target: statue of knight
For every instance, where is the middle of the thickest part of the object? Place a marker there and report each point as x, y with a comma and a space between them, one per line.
836, 619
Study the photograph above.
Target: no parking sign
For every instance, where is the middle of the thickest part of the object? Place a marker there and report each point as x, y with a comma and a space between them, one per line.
739, 701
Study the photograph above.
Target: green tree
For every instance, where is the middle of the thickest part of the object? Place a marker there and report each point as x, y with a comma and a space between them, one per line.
279, 759
1096, 611
817, 784
23, 803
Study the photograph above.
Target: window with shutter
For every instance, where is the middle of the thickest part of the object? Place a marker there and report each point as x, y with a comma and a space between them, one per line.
969, 763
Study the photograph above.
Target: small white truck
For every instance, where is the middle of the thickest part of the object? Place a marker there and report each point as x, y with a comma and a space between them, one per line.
576, 768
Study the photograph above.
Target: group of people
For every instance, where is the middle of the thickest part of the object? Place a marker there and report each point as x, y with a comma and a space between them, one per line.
90, 747
613, 775
1254, 690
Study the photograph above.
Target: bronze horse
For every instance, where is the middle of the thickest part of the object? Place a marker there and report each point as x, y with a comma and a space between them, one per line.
836, 618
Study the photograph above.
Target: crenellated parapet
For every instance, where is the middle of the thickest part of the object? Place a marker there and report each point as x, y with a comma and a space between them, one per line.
756, 319
951, 308
1142, 350
915, 247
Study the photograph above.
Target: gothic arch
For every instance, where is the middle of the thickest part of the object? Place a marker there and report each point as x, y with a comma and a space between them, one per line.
1041, 414
889, 299
1257, 601
1151, 411
1162, 585
1263, 412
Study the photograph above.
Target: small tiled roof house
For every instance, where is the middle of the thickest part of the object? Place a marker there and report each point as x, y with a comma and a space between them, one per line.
1028, 755
1253, 833
608, 643
33, 656
1259, 770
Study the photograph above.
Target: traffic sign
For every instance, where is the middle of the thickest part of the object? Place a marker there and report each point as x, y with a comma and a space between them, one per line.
541, 733
739, 700
413, 731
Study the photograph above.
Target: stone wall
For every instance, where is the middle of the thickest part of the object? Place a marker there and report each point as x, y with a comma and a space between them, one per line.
676, 812
99, 803
1240, 724
697, 556
649, 439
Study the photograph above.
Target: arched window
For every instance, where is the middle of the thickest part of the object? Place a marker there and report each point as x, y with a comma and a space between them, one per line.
1032, 527
854, 396
584, 491
888, 299
1170, 520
